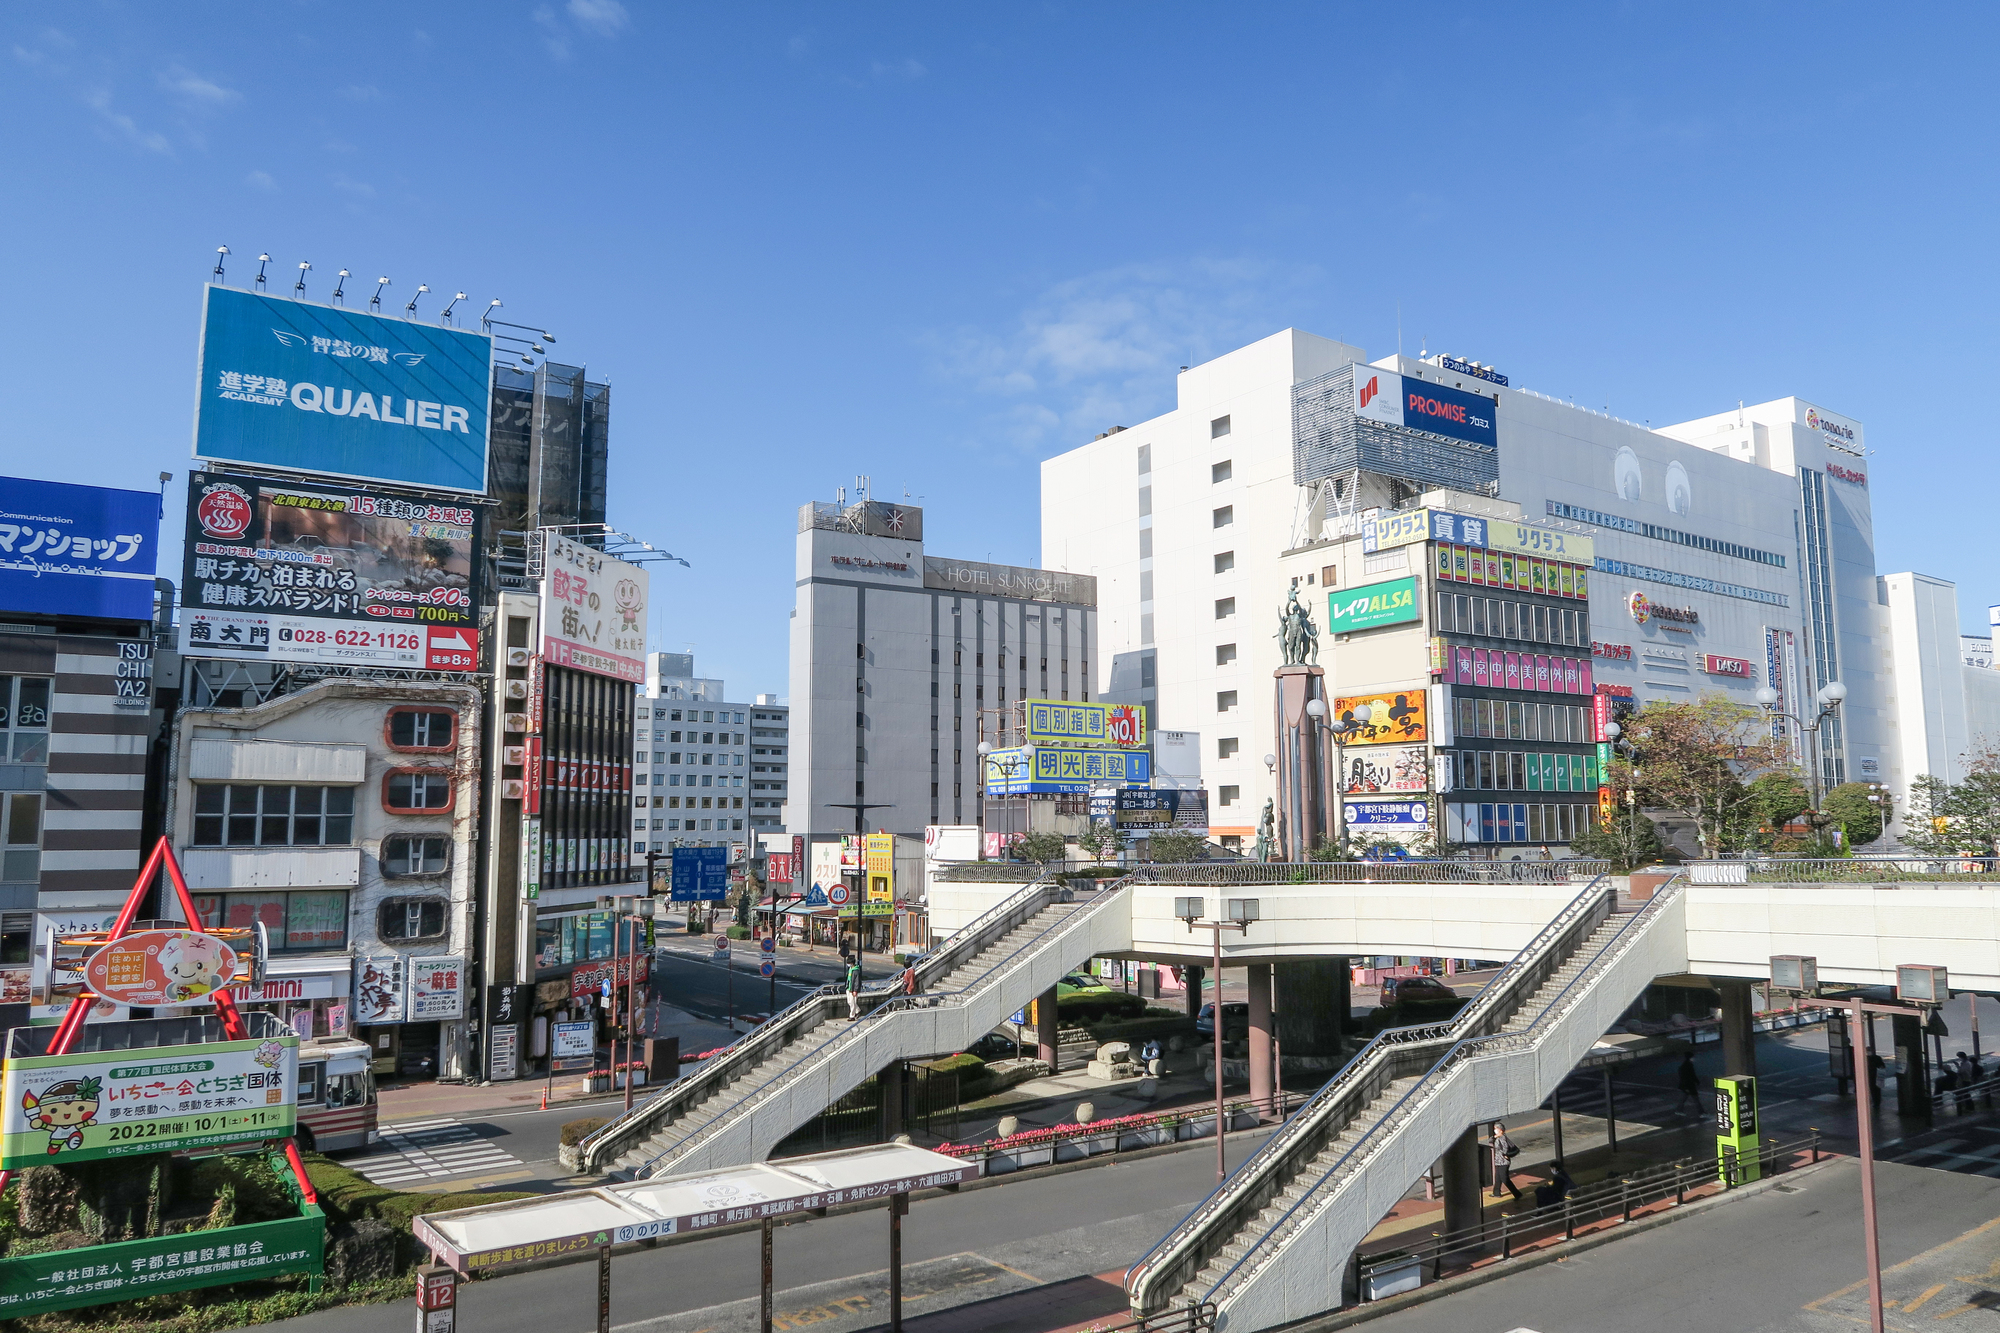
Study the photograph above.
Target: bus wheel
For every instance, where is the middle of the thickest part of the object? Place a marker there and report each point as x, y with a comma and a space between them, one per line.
304, 1135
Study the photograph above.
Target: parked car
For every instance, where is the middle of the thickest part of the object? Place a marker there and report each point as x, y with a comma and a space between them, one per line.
1235, 1021
995, 1045
1412, 990
1089, 999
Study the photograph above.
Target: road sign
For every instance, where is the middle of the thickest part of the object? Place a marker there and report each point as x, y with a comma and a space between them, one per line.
722, 944
767, 968
769, 944
837, 894
604, 988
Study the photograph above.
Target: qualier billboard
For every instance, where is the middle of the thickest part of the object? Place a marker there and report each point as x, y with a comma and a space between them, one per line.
311, 388
326, 573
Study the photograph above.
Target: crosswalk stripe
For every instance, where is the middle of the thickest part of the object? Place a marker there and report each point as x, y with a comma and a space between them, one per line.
426, 1149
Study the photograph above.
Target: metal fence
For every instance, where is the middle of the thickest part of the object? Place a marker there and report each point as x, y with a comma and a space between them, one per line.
1846, 870
1547, 1220
1372, 872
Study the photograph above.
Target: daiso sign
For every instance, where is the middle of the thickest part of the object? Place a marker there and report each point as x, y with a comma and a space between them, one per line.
1736, 667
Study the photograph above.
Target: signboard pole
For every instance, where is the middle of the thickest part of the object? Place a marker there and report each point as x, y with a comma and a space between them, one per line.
604, 1289
764, 1287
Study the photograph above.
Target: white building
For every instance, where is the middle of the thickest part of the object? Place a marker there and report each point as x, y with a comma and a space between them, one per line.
693, 780
343, 818
1947, 694
897, 656
1729, 553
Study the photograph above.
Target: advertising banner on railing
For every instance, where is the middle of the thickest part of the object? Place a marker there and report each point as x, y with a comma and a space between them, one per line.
80, 1108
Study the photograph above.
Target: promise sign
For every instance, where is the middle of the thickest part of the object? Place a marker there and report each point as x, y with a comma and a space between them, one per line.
84, 1107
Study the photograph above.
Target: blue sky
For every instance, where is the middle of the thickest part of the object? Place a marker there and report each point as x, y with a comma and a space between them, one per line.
936, 244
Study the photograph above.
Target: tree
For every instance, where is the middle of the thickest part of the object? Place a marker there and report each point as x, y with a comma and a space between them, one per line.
1174, 846
1848, 807
1693, 759
1947, 819
1041, 848
1630, 841
1101, 841
1776, 799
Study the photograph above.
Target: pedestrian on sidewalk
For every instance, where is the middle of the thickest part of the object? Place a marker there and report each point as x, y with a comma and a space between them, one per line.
911, 985
1504, 1153
853, 990
1150, 1053
1690, 1083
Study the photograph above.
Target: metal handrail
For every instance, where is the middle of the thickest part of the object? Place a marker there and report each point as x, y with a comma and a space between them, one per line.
1371, 872
1461, 1051
1762, 868
723, 1067
894, 1004
1358, 1074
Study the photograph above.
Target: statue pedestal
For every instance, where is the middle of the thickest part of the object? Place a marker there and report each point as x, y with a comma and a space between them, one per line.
1305, 777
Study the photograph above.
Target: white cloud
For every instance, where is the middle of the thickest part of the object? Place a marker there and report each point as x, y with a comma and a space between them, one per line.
606, 18
193, 88
359, 189
897, 69
361, 92
260, 180
1101, 350
99, 100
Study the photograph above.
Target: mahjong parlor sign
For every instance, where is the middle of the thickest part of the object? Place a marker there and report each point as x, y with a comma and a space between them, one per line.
79, 1108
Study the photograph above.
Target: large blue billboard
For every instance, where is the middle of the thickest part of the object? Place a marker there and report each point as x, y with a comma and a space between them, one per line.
310, 388
77, 550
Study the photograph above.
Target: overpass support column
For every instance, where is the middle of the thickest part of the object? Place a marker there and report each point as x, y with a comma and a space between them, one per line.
1263, 1070
891, 1081
1192, 976
1739, 1037
1913, 1085
1045, 1028
1464, 1201
1314, 1000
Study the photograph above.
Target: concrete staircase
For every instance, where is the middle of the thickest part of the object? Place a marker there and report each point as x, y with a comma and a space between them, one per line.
737, 1107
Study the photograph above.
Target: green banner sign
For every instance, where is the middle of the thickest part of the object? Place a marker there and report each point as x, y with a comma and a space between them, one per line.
127, 1270
79, 1108
1391, 603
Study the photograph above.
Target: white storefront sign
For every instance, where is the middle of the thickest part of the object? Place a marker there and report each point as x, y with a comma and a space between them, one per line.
437, 989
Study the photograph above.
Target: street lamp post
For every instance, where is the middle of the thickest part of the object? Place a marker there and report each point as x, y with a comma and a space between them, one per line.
1241, 912
1357, 720
1831, 695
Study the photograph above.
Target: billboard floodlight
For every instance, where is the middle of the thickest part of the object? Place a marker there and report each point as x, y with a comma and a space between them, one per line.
340, 289
221, 253
380, 283
261, 261
411, 308
300, 285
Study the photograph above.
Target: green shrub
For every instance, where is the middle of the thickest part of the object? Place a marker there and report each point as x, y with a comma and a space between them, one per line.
576, 1131
738, 932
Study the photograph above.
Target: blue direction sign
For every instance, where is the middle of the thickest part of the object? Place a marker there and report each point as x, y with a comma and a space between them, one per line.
701, 874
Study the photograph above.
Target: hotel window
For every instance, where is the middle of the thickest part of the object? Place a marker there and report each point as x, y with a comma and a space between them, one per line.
1224, 516
404, 919
416, 791
272, 816
1225, 607
21, 855
1225, 747
24, 719
1225, 700
1219, 472
1231, 795
1225, 653
415, 854
422, 728
1225, 561
1218, 428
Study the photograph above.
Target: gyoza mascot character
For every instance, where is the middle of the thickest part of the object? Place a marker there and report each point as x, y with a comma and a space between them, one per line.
63, 1110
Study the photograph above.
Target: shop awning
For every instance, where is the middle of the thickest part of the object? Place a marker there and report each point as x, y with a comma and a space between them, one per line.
531, 1230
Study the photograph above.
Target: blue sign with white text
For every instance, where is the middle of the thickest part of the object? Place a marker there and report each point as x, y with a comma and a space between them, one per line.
701, 874
1362, 813
1450, 412
77, 550
312, 388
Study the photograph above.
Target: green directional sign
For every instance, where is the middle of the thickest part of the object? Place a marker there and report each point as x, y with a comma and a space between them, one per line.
1391, 603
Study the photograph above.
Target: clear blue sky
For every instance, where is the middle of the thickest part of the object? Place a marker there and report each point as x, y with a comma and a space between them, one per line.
938, 243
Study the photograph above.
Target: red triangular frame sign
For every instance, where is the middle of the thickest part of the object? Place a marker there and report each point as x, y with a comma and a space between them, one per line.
232, 1018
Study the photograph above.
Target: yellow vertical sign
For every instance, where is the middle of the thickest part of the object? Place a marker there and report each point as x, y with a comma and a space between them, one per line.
879, 866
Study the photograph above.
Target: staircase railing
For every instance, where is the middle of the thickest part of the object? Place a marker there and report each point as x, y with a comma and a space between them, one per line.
1393, 1054
829, 1049
782, 1028
1411, 1104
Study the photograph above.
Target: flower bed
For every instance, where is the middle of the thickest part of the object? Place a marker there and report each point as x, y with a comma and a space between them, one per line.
1063, 1143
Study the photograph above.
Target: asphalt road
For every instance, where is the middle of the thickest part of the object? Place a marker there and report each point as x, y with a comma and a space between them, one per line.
1773, 1263
690, 980
968, 1246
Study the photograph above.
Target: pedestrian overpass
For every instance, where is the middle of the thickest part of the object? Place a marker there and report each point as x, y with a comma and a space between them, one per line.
1270, 1245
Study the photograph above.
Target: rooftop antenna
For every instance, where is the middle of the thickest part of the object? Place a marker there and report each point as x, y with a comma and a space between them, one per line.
444, 315
261, 261
340, 289
1424, 347
411, 308
299, 287
1399, 329
380, 283
221, 253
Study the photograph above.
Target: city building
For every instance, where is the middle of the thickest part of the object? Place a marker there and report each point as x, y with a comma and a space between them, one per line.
898, 658
80, 720
548, 460
703, 772
1723, 554
342, 817
1946, 691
